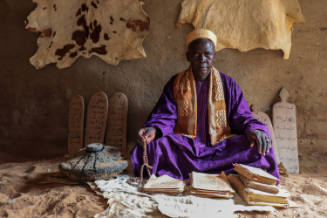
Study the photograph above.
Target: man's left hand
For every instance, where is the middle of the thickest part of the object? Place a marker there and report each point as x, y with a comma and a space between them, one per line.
261, 139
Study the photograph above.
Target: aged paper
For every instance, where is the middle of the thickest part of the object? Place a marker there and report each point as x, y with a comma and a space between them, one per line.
163, 184
209, 182
173, 206
256, 197
255, 174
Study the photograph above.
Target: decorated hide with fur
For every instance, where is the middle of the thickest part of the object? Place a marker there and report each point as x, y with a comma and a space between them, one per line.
110, 29
245, 24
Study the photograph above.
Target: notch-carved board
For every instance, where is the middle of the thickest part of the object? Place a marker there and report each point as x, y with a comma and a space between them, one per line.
263, 117
96, 120
75, 124
117, 121
284, 120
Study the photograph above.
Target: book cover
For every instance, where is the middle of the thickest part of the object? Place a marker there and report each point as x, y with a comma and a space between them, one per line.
255, 174
259, 186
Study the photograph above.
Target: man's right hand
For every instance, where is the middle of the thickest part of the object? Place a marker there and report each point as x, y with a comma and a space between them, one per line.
146, 134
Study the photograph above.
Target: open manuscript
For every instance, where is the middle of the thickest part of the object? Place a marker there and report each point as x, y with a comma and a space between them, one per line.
164, 184
210, 185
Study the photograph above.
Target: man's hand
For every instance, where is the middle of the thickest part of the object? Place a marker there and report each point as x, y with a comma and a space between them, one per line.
146, 134
261, 139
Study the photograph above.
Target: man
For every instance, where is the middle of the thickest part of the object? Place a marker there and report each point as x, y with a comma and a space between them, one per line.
202, 121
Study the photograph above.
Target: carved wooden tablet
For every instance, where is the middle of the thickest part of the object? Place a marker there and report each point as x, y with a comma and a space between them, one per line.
96, 120
263, 117
117, 121
284, 120
75, 124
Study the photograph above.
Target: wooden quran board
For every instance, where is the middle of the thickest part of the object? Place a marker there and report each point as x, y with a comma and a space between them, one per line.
96, 119
117, 121
75, 124
284, 120
263, 117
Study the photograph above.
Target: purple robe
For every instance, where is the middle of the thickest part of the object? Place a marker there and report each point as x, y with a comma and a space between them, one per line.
177, 155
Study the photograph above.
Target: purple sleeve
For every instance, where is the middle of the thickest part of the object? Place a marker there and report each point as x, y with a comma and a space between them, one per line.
164, 115
240, 117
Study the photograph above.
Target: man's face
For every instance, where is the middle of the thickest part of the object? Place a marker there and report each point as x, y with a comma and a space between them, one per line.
201, 55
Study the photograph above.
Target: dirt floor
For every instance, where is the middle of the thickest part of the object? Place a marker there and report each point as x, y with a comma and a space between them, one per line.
25, 191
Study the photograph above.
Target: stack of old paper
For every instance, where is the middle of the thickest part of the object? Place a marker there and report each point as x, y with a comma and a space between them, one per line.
255, 174
257, 187
163, 184
210, 185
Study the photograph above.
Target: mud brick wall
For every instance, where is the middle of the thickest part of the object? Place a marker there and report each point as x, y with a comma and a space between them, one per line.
34, 103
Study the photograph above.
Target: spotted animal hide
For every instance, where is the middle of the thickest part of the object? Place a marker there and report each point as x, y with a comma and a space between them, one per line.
245, 24
110, 29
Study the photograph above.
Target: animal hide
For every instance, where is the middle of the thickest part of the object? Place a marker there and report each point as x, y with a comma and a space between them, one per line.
245, 24
110, 29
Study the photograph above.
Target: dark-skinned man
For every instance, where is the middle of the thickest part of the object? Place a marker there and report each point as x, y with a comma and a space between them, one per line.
202, 122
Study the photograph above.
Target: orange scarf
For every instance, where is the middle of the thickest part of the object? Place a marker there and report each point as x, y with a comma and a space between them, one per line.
185, 96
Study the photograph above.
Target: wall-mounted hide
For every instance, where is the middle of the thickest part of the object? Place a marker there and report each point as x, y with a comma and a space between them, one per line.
245, 24
110, 29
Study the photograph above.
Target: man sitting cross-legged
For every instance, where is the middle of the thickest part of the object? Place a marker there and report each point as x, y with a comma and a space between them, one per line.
202, 122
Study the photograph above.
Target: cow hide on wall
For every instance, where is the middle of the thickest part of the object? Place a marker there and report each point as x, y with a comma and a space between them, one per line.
245, 24
110, 29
